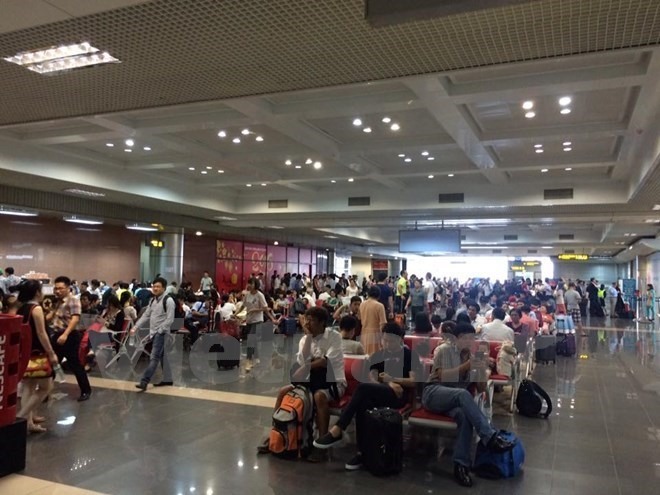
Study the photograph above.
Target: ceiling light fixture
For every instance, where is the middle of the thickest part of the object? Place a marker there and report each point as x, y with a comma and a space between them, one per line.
567, 143
221, 171
209, 168
425, 153
538, 146
528, 105
539, 150
431, 176
530, 115
147, 148
17, 212
128, 150
110, 145
82, 192
61, 58
276, 243
351, 179
402, 155
236, 140
191, 168
450, 175
245, 132
204, 172
248, 185
264, 184
395, 127
141, 227
333, 181
431, 158
408, 160
656, 207
309, 161
288, 163
222, 134
565, 100
130, 143
546, 247
568, 149
387, 120
259, 139
568, 169
544, 170
367, 130
565, 111
84, 221
318, 165
357, 122
199, 233
298, 167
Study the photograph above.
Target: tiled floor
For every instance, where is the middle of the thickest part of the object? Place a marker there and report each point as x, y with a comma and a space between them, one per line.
603, 437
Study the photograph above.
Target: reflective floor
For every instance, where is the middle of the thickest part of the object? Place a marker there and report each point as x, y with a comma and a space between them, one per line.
603, 437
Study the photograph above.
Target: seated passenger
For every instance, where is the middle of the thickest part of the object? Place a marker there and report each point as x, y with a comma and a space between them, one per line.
446, 393
392, 370
516, 323
423, 326
436, 322
347, 326
497, 330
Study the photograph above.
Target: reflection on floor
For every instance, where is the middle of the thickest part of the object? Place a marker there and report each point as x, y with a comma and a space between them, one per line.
603, 437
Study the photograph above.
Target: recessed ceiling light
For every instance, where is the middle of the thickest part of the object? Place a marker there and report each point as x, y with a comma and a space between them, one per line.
565, 100
204, 172
222, 134
259, 139
221, 171
288, 163
538, 146
309, 161
408, 160
401, 155
568, 169
191, 168
276, 243
248, 185
450, 175
544, 170
425, 153
318, 165
264, 184
565, 111
395, 127
17, 212
110, 145
650, 220
128, 150
61, 58
633, 235
528, 105
539, 150
431, 176
656, 207
82, 192
367, 130
567, 143
431, 158
130, 142
245, 132
199, 233
209, 168
84, 221
357, 122
530, 115
568, 149
387, 120
298, 167
333, 181
147, 148
236, 140
351, 179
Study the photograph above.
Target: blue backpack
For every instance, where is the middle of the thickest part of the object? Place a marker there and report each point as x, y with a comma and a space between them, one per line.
495, 466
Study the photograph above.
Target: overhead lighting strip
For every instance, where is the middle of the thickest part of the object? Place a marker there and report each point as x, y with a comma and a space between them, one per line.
61, 58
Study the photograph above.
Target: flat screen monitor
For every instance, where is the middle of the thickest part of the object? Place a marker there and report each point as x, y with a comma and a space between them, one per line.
430, 241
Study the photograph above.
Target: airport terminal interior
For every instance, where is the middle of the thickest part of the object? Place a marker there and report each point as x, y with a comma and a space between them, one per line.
489, 165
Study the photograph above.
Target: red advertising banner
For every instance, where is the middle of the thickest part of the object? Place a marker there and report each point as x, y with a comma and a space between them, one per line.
232, 250
229, 275
254, 256
379, 265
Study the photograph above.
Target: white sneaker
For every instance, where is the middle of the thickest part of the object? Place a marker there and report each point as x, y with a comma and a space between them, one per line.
248, 365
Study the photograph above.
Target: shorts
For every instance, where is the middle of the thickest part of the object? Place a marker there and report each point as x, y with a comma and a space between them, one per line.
341, 388
575, 314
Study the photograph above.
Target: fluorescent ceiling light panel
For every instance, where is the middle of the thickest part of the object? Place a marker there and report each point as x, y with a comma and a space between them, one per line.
83, 221
17, 212
141, 227
82, 192
61, 58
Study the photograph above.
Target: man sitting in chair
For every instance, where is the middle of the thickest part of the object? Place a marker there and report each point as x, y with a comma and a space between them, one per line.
446, 393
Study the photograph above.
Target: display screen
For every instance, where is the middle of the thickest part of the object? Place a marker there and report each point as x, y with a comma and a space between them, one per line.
430, 241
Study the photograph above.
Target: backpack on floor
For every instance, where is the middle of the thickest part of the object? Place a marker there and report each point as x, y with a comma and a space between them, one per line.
566, 345
491, 465
292, 432
383, 451
529, 400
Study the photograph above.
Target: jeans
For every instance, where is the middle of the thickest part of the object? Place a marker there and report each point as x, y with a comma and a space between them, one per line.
251, 334
158, 356
368, 396
458, 403
649, 312
70, 351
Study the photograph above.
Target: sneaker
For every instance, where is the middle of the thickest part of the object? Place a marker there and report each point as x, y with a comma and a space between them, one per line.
142, 386
499, 444
327, 441
354, 464
248, 365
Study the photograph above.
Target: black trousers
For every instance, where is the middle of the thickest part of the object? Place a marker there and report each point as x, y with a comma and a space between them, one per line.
367, 396
70, 351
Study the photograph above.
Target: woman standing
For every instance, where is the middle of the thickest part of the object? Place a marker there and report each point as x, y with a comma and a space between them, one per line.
417, 299
650, 302
35, 390
255, 305
559, 299
352, 290
130, 313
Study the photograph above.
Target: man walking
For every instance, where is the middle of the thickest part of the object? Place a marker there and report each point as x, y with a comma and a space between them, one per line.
159, 315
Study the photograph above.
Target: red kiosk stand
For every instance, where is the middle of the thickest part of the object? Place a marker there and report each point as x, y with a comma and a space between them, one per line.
15, 343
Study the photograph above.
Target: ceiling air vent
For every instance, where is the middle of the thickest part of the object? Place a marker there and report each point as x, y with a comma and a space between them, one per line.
451, 198
463, 238
566, 237
497, 251
510, 237
359, 201
278, 203
464, 251
532, 251
569, 251
566, 193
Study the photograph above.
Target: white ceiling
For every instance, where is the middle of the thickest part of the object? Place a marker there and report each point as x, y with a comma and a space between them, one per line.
471, 123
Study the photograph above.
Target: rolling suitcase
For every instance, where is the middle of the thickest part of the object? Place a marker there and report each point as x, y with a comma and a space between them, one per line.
566, 345
233, 351
289, 326
545, 349
383, 438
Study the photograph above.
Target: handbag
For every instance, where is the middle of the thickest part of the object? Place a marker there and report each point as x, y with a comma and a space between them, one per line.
38, 367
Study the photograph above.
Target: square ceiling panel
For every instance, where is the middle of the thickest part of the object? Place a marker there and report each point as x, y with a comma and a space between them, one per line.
545, 151
255, 139
430, 158
560, 175
340, 93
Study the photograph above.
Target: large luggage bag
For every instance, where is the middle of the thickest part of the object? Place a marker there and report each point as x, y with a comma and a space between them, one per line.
545, 348
491, 465
383, 450
566, 345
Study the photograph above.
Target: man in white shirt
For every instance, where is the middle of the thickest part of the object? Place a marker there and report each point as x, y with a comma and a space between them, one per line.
325, 295
429, 289
612, 295
497, 331
476, 319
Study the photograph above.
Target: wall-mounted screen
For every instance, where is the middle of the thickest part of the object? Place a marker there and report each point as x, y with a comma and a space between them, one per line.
430, 241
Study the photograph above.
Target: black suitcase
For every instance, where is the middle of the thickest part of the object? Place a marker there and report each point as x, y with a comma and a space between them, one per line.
545, 349
383, 438
228, 362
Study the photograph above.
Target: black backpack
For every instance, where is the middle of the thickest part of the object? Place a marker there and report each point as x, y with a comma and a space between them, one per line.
529, 400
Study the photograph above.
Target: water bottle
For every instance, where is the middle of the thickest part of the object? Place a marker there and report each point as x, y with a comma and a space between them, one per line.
132, 339
59, 374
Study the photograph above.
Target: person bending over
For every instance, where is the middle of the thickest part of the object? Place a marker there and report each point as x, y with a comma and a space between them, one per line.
392, 378
446, 393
